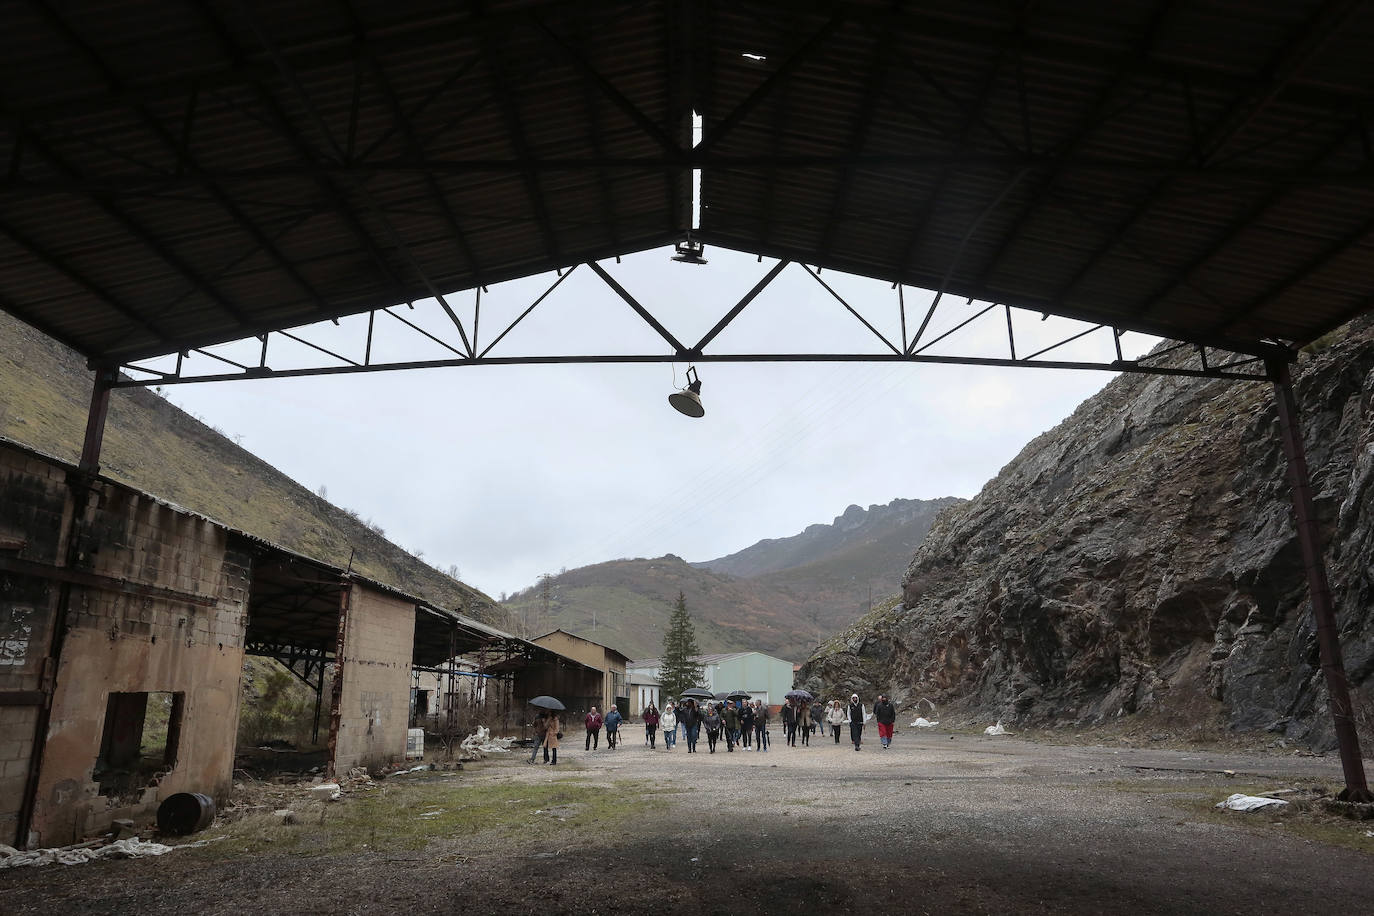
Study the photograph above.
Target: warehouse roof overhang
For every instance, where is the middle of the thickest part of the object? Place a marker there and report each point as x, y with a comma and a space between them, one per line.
181, 175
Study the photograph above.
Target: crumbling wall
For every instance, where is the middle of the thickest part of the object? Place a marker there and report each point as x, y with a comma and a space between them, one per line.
375, 702
168, 617
33, 507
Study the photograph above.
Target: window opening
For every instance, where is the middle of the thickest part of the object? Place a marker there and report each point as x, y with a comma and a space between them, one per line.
139, 742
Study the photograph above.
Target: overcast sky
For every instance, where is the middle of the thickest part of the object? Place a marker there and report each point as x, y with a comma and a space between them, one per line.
511, 471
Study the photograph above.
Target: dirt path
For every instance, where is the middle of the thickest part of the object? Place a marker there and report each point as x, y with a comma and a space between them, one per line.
935, 824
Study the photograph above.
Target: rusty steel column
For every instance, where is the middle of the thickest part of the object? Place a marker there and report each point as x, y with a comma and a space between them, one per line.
105, 377
79, 482
336, 690
1323, 610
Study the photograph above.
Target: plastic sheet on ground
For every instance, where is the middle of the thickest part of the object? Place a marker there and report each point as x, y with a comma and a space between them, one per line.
996, 730
132, 848
923, 722
1240, 802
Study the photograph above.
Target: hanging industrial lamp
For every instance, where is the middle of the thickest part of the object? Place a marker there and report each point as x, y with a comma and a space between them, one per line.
688, 400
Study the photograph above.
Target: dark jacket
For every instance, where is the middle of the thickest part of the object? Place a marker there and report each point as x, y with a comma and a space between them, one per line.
885, 713
613, 719
746, 717
689, 717
712, 721
593, 720
789, 714
731, 718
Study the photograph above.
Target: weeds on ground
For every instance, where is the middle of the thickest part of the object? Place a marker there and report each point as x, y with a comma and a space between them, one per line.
408, 815
1302, 817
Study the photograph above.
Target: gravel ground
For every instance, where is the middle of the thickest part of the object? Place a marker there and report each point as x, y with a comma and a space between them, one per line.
936, 824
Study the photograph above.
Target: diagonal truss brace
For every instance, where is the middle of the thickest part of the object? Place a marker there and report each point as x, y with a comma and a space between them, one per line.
1205, 362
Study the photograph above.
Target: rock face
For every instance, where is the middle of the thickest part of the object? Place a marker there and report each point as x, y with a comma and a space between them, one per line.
1141, 557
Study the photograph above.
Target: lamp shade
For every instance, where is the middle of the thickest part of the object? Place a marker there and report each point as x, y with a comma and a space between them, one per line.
687, 402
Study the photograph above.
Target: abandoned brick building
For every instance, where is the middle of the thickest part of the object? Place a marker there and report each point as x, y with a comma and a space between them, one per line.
124, 623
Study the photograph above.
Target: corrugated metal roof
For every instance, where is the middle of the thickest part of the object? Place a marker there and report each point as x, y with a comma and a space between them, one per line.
184, 175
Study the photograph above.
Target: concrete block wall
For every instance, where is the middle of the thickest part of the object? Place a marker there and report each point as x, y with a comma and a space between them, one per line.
376, 666
120, 642
16, 745
34, 504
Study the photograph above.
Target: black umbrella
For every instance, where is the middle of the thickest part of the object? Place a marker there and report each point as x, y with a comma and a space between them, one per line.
547, 703
698, 693
740, 695
799, 694
720, 696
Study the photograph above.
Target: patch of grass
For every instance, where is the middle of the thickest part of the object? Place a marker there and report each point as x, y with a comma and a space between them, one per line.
409, 815
1300, 818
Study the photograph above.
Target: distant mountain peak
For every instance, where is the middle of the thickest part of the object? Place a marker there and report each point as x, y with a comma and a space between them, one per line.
902, 521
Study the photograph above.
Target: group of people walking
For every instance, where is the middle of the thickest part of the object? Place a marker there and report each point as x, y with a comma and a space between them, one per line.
803, 719
738, 723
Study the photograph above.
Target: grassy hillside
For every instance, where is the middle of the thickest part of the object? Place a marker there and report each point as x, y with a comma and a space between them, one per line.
153, 445
631, 600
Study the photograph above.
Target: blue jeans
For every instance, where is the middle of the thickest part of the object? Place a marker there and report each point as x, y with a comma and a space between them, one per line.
670, 737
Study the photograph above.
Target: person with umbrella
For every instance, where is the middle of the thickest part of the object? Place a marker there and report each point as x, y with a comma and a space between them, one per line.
651, 719
855, 716
552, 732
730, 717
690, 718
541, 726
546, 721
789, 722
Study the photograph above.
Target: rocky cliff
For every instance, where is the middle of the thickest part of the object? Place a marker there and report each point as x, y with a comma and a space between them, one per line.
1141, 558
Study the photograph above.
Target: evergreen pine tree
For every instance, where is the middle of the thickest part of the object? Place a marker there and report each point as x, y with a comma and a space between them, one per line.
679, 669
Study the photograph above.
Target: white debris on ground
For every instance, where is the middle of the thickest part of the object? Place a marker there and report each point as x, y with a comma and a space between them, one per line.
923, 722
481, 743
996, 730
1240, 802
326, 791
131, 848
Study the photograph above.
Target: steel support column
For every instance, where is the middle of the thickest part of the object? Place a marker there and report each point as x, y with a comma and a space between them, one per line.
79, 482
336, 690
1323, 610
105, 378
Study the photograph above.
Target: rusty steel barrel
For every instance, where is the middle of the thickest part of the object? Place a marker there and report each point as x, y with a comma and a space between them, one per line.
185, 813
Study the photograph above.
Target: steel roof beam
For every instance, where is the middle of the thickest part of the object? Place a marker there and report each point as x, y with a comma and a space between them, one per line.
714, 134
144, 236
644, 313
516, 135
293, 81
180, 149
62, 267
1139, 53
1285, 65
1252, 216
